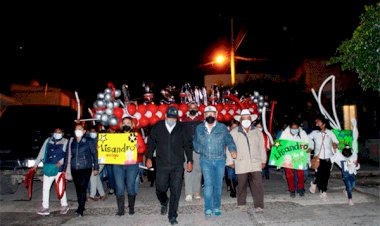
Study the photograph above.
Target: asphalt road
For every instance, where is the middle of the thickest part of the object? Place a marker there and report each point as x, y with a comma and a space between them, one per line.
280, 208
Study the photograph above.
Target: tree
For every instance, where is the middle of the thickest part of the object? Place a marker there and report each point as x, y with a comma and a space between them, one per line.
361, 54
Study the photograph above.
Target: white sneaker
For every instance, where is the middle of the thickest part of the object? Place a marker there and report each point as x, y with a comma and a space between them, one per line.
350, 202
312, 188
259, 210
43, 211
189, 198
323, 195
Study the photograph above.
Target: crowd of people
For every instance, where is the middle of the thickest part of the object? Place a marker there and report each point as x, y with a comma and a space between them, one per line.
196, 150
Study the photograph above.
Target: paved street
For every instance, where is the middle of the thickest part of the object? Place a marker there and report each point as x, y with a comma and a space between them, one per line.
280, 208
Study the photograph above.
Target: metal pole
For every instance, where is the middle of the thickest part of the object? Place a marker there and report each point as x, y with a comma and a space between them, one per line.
232, 57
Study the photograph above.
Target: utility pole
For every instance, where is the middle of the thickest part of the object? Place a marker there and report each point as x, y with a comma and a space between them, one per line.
232, 54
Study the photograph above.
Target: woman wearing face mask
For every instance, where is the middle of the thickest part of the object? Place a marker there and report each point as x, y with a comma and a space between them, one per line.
83, 161
295, 177
52, 153
125, 175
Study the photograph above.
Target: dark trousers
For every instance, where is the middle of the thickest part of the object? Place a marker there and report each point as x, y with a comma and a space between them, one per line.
323, 174
255, 185
169, 177
152, 174
81, 178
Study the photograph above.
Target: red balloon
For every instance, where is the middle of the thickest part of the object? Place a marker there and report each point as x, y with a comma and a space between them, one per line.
227, 107
174, 105
152, 108
131, 109
142, 109
163, 108
220, 117
235, 107
202, 108
144, 121
227, 117
115, 127
118, 112
153, 120
219, 107
183, 107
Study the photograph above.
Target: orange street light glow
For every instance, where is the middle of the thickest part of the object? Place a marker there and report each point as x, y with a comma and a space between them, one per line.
220, 59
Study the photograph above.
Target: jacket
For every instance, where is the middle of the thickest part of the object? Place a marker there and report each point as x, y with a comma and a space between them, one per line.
83, 154
250, 150
171, 148
55, 151
211, 146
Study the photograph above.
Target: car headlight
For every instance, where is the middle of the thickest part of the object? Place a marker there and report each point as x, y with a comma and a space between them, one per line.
29, 163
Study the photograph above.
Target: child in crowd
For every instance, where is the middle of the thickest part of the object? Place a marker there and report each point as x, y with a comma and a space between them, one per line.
347, 161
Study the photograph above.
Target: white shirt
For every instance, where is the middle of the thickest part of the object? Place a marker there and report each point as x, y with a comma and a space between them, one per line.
348, 163
324, 149
170, 129
212, 126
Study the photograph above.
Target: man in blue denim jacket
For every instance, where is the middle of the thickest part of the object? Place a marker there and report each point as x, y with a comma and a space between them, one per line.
210, 141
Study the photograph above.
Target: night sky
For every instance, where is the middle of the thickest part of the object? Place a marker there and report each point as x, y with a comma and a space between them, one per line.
67, 45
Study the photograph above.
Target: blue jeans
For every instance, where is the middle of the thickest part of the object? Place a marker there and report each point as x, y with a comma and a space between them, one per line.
125, 176
139, 174
213, 172
231, 174
349, 182
110, 176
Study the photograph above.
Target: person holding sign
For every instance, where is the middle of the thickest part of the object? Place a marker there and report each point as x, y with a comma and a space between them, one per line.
251, 159
171, 142
324, 143
294, 132
125, 175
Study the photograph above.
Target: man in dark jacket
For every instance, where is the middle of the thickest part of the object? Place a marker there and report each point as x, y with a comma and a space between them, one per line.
169, 139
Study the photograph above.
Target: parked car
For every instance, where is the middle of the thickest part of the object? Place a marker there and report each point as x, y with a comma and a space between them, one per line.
23, 129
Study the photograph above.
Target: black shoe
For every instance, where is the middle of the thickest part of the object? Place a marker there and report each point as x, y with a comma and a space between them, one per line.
292, 194
79, 213
164, 209
302, 193
173, 221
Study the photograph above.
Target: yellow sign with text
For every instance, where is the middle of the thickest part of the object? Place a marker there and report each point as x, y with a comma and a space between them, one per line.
117, 148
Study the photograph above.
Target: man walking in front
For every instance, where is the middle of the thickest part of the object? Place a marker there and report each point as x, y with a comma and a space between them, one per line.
210, 141
169, 139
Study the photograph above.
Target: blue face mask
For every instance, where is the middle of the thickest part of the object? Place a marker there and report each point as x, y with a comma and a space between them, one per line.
294, 131
93, 135
170, 123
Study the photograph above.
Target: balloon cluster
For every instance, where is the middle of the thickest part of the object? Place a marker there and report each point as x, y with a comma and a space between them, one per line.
107, 107
109, 111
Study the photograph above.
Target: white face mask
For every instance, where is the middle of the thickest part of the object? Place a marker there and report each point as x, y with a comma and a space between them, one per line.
246, 123
79, 133
57, 136
260, 129
93, 135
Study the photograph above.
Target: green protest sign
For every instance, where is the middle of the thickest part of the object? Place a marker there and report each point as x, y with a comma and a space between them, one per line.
289, 154
344, 137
